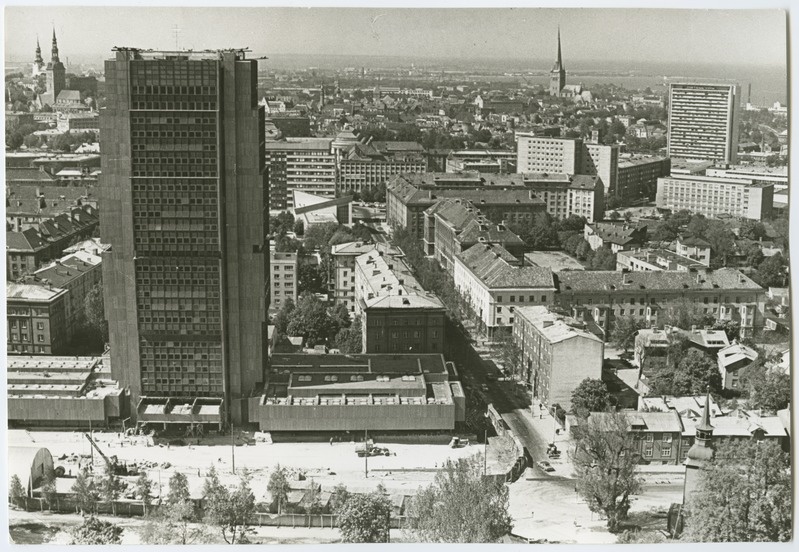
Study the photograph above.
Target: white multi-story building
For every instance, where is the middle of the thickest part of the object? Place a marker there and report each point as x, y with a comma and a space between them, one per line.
302, 164
284, 279
343, 271
494, 284
712, 196
703, 121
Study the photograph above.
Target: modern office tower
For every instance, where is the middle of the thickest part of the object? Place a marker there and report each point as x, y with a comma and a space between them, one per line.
546, 154
186, 212
703, 121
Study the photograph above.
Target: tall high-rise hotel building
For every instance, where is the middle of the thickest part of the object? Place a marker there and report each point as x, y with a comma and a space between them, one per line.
185, 208
703, 121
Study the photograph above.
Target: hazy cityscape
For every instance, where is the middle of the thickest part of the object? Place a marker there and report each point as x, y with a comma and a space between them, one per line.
421, 276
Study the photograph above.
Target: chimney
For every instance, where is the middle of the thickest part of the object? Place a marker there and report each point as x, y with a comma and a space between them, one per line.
693, 328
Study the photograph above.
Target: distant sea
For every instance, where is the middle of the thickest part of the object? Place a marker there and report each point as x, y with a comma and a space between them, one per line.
769, 83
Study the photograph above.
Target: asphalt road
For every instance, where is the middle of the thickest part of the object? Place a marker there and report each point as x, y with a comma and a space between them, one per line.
480, 370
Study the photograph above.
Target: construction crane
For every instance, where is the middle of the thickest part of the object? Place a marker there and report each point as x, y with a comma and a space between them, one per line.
113, 462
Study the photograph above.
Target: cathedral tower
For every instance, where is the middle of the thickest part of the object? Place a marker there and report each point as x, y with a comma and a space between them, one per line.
56, 75
557, 77
38, 62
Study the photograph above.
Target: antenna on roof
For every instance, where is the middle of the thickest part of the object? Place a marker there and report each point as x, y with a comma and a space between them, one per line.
176, 31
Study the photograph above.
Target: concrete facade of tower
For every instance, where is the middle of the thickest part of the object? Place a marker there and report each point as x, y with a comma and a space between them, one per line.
703, 121
557, 77
185, 209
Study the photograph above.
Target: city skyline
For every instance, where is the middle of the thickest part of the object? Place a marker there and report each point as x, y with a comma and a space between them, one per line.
703, 36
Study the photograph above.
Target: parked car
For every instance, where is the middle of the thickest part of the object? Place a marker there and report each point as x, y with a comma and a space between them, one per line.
546, 466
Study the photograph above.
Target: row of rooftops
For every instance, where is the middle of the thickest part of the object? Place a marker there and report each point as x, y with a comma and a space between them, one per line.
423, 188
470, 225
497, 268
52, 230
62, 377
405, 364
735, 424
664, 258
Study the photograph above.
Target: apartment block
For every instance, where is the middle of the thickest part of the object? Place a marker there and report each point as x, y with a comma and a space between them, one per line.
494, 284
454, 225
543, 154
714, 196
557, 353
565, 195
284, 279
302, 164
503, 199
703, 121
598, 298
397, 314
36, 317
637, 179
186, 279
342, 276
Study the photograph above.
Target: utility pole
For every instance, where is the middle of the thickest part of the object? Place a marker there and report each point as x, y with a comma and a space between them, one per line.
233, 447
91, 435
366, 455
485, 453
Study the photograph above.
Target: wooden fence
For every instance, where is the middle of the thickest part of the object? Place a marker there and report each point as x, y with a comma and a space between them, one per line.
66, 505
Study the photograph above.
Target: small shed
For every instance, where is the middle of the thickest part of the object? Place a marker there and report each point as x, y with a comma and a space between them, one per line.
31, 465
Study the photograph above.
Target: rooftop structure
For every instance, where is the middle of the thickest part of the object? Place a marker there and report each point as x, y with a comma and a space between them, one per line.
337, 392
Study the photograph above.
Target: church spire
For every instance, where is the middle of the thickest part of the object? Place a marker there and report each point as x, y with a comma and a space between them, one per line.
38, 58
54, 57
560, 58
704, 423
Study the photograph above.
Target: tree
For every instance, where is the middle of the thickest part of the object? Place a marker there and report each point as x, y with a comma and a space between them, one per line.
312, 320
605, 460
281, 223
752, 230
299, 227
590, 396
96, 531
350, 340
603, 259
144, 487
94, 312
509, 354
771, 272
85, 491
283, 316
744, 495
769, 390
641, 537
314, 499
15, 490
365, 518
461, 506
110, 486
754, 255
178, 489
312, 278
14, 140
278, 487
338, 497
721, 240
624, 331
696, 371
230, 511
732, 329
318, 236
49, 489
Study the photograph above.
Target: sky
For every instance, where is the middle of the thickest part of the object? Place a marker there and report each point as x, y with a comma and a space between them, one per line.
638, 35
